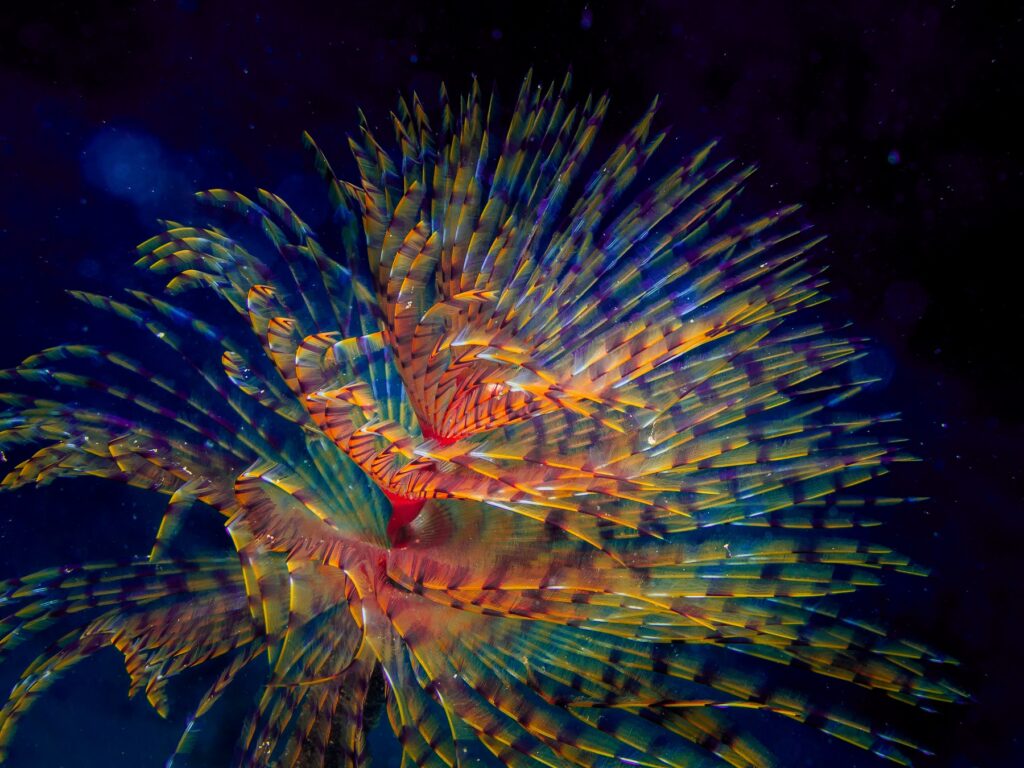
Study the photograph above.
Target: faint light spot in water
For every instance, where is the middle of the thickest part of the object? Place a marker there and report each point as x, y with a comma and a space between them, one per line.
134, 167
124, 164
89, 268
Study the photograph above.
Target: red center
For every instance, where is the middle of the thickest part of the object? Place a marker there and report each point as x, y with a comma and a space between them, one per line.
404, 509
430, 434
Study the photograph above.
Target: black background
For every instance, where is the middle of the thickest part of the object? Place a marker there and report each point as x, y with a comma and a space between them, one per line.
892, 122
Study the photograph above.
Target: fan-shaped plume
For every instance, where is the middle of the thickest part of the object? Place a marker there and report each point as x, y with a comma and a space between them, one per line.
562, 452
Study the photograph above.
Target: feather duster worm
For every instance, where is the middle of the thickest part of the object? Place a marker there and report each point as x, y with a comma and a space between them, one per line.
557, 450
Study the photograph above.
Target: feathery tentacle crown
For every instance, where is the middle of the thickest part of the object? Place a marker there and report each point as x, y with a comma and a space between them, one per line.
556, 449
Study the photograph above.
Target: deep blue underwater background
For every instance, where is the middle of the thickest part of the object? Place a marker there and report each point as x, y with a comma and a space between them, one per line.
892, 122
